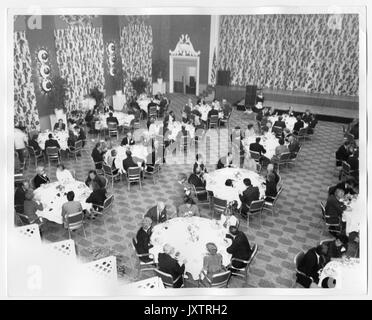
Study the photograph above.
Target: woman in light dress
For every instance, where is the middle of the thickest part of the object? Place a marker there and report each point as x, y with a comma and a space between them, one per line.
212, 262
64, 176
249, 163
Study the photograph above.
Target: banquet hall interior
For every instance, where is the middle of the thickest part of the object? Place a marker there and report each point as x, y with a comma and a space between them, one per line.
191, 151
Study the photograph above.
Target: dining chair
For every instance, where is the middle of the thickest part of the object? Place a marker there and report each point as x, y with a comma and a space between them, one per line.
332, 227
109, 174
243, 271
75, 221
53, 155
255, 208
271, 201
168, 279
256, 156
297, 261
148, 265
154, 172
219, 206
302, 134
278, 131
33, 153
218, 280
77, 149
213, 122
113, 130
134, 176
283, 160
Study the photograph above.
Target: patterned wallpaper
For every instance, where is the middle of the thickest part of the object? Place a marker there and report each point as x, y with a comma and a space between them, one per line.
291, 52
25, 110
136, 52
80, 59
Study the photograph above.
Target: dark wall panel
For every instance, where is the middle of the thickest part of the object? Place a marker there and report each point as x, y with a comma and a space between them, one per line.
42, 39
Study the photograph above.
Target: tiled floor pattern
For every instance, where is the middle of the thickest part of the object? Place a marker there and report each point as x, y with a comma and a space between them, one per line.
295, 226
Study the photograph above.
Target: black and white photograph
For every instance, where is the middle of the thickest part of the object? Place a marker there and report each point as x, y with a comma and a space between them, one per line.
186, 152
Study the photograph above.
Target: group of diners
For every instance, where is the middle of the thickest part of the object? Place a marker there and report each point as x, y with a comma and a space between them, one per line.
26, 205
315, 259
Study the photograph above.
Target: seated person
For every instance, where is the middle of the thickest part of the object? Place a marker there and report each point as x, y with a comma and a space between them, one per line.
188, 209
270, 169
97, 197
306, 117
343, 153
70, 207
250, 194
20, 196
314, 260
64, 176
271, 190
112, 119
279, 150
40, 178
226, 161
334, 207
337, 248
249, 163
349, 186
34, 144
257, 147
298, 125
353, 245
169, 264
239, 248
81, 135
111, 161
71, 140
212, 261
129, 162
97, 155
128, 140
60, 126
199, 164
158, 213
250, 131
51, 142
313, 122
212, 112
31, 206
143, 238
293, 146
188, 191
93, 176
280, 123
353, 162
226, 108
186, 113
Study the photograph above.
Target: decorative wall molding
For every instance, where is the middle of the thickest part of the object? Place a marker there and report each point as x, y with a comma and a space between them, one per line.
184, 47
75, 20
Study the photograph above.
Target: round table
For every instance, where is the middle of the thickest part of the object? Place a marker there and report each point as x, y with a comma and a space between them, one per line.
176, 127
189, 236
215, 182
345, 271
353, 215
53, 196
138, 151
204, 112
123, 118
289, 121
269, 142
60, 136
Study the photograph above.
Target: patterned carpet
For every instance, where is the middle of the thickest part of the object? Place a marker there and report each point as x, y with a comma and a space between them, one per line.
296, 225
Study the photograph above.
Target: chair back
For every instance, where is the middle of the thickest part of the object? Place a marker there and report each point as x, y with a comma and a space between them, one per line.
220, 280
74, 220
256, 206
166, 278
323, 210
52, 152
302, 132
255, 155
219, 205
346, 167
325, 241
134, 173
297, 260
106, 169
108, 202
254, 249
279, 185
284, 157
112, 126
277, 195
78, 145
153, 112
277, 130
213, 120
24, 219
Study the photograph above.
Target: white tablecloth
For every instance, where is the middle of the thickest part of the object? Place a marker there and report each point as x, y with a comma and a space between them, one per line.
216, 183
353, 216
155, 128
138, 151
123, 118
269, 143
204, 112
289, 121
189, 236
60, 136
347, 273
143, 103
176, 127
53, 196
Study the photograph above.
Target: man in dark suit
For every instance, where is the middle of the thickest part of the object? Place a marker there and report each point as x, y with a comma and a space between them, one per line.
128, 140
97, 155
343, 153
59, 125
307, 116
170, 265
34, 144
81, 135
40, 178
196, 179
353, 161
212, 112
240, 248
20, 196
298, 125
334, 207
143, 239
157, 214
250, 194
348, 186
152, 105
128, 162
311, 263
112, 119
280, 123
293, 145
51, 142
337, 248
257, 147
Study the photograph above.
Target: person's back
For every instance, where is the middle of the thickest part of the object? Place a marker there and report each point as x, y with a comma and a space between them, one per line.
70, 207
212, 264
240, 248
30, 207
